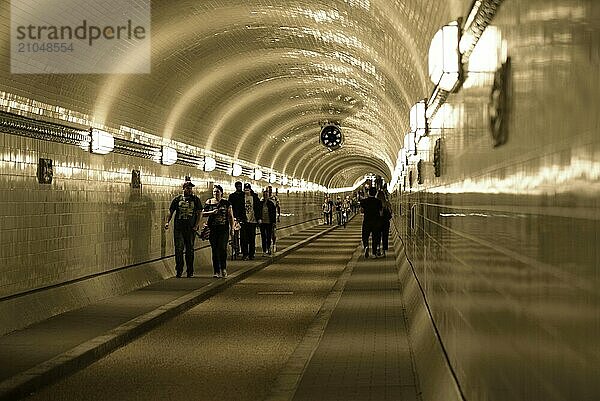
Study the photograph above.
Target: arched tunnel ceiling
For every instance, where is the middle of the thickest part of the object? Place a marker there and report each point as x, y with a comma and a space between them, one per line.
255, 79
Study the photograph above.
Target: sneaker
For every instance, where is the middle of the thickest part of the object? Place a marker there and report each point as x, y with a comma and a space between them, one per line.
384, 254
245, 257
178, 275
251, 257
189, 275
366, 252
216, 275
378, 253
224, 273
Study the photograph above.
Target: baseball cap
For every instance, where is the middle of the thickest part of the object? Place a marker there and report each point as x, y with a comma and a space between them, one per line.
188, 184
247, 186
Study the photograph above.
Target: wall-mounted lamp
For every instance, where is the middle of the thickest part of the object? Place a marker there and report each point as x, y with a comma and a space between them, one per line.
210, 164
444, 57
272, 178
418, 120
257, 174
168, 156
236, 170
102, 142
409, 144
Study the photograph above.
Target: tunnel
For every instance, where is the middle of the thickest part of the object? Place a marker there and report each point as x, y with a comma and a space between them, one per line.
476, 121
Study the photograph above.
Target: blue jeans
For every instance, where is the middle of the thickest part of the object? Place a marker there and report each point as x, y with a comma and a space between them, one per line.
184, 243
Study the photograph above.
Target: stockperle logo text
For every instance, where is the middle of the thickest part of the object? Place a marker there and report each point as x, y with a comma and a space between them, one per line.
84, 31
80, 36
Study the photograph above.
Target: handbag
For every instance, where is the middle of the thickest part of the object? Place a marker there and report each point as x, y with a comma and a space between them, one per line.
204, 233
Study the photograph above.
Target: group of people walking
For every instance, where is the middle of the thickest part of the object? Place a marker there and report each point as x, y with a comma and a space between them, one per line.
243, 210
342, 208
377, 213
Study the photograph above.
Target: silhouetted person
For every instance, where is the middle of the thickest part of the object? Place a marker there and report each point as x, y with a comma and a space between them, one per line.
371, 208
386, 216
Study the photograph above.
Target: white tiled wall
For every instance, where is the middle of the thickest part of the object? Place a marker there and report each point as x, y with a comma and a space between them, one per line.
90, 220
505, 241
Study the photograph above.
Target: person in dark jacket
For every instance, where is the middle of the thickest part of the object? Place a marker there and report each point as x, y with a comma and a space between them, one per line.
186, 208
237, 202
386, 216
268, 217
372, 208
251, 217
220, 222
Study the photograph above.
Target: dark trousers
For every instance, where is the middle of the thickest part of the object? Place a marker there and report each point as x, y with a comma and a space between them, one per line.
248, 239
328, 217
184, 242
374, 230
219, 235
385, 234
266, 235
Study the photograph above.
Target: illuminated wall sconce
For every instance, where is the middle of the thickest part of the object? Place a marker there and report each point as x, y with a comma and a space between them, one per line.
45, 171
409, 144
444, 57
257, 174
284, 180
102, 142
210, 164
272, 178
418, 120
168, 156
236, 170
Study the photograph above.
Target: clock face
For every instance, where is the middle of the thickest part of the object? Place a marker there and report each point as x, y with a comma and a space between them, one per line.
331, 136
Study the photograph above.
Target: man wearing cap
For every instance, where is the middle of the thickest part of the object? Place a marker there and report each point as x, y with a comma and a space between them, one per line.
187, 208
250, 219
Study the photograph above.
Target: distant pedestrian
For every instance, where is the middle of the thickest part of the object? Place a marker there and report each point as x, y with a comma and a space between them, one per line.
371, 208
275, 199
237, 202
327, 208
220, 223
268, 217
186, 208
338, 210
386, 216
251, 218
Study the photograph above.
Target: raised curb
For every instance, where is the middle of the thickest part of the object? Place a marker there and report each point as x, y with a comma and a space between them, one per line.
90, 351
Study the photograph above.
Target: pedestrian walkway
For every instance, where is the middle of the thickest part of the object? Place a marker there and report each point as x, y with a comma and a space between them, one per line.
358, 346
54, 348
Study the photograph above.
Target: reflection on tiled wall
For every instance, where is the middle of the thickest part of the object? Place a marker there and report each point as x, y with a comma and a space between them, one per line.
89, 219
505, 241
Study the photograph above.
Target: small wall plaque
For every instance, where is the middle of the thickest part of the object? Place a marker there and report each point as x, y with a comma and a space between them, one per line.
136, 179
437, 158
499, 107
420, 172
45, 171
